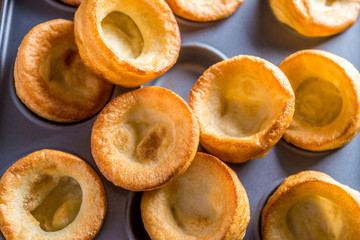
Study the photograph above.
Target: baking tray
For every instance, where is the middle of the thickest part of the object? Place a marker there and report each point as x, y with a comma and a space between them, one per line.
251, 30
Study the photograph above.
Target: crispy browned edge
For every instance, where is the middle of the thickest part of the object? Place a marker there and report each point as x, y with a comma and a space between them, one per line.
194, 14
74, 3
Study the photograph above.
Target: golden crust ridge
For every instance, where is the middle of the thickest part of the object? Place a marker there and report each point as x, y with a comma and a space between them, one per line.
203, 11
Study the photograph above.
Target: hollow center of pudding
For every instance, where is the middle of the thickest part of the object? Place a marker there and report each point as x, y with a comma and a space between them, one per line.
146, 136
317, 102
315, 218
196, 200
65, 74
242, 107
54, 201
122, 35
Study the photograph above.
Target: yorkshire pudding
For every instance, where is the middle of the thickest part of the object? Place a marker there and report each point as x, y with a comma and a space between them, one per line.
50, 78
243, 105
51, 195
143, 139
204, 10
311, 205
316, 18
127, 42
327, 101
74, 3
206, 202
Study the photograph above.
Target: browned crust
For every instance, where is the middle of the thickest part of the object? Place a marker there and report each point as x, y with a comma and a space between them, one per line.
233, 149
122, 71
35, 92
74, 3
303, 17
119, 170
315, 183
215, 11
341, 131
93, 209
232, 224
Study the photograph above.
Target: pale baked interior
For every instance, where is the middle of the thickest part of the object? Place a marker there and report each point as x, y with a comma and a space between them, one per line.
145, 137
122, 35
64, 72
196, 203
325, 4
315, 217
244, 108
318, 102
54, 201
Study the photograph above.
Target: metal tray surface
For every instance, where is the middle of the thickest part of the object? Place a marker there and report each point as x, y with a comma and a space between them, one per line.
251, 30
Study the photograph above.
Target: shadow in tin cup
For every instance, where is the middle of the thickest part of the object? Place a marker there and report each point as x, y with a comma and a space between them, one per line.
194, 59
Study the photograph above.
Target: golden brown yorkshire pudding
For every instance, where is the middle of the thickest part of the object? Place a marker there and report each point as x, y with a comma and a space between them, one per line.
327, 101
317, 18
50, 78
127, 42
204, 10
143, 139
206, 202
311, 205
74, 3
243, 105
51, 195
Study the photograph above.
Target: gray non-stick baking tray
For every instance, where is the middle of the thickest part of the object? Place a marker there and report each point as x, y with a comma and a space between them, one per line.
251, 30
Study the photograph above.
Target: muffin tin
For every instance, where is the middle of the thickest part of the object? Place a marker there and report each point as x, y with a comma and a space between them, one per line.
251, 30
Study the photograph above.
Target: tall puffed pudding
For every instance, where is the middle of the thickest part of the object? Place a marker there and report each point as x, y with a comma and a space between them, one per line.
129, 43
244, 105
327, 100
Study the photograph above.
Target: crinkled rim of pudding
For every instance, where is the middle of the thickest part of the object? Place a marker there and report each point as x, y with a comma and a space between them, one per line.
202, 10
